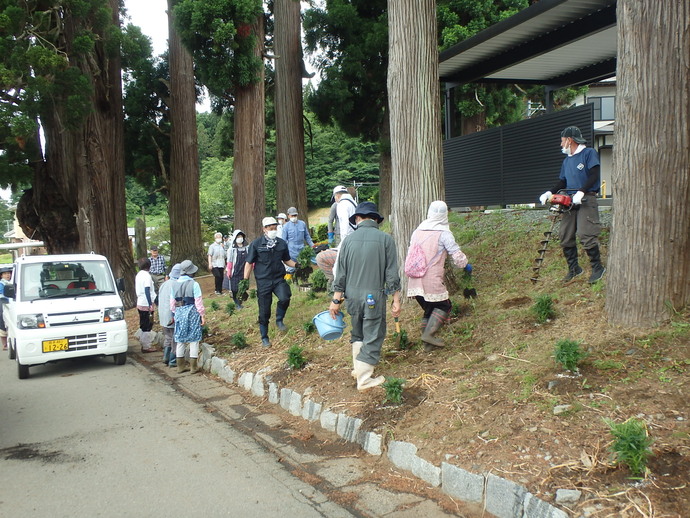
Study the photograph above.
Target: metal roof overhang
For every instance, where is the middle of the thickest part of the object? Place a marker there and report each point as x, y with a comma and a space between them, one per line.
553, 42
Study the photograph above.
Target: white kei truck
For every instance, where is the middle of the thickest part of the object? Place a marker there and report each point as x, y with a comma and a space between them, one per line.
61, 307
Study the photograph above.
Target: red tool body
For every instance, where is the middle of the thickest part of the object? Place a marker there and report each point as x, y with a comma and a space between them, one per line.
560, 203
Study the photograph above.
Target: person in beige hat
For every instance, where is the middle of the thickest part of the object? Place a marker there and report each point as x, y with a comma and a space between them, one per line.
189, 315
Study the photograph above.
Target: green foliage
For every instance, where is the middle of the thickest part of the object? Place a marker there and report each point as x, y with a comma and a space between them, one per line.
252, 293
311, 295
214, 305
230, 308
568, 354
239, 340
394, 390
455, 309
242, 287
220, 37
309, 327
631, 444
204, 331
295, 357
318, 280
404, 341
543, 309
215, 193
304, 257
321, 232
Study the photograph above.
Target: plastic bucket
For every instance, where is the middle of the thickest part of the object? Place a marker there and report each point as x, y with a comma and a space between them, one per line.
328, 328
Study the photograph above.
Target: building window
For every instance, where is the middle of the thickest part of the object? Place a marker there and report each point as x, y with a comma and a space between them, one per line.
604, 108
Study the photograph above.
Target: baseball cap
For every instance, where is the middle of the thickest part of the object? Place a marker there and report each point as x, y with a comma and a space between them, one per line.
269, 220
574, 133
292, 211
337, 190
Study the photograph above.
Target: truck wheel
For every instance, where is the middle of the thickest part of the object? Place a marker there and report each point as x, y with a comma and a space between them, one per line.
120, 358
13, 351
22, 371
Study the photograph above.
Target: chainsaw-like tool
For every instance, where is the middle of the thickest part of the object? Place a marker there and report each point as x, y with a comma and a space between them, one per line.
560, 203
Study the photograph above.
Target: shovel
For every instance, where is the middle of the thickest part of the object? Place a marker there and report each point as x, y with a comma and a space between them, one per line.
398, 335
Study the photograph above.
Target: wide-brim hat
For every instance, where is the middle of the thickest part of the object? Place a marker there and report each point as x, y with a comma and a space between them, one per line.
337, 190
175, 272
187, 267
367, 209
574, 133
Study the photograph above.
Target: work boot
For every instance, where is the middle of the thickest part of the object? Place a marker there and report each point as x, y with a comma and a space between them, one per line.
356, 347
281, 327
265, 342
172, 362
574, 269
237, 303
597, 268
364, 378
182, 365
427, 347
193, 365
436, 320
166, 354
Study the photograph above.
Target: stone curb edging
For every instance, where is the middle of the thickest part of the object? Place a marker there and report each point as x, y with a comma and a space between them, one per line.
500, 497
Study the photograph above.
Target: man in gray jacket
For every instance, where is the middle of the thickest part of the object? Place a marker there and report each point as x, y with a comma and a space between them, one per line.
366, 273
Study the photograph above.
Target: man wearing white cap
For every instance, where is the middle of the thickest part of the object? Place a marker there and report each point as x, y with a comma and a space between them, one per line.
344, 210
268, 256
281, 221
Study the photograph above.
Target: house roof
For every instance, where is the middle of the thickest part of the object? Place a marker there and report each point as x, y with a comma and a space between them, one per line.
552, 42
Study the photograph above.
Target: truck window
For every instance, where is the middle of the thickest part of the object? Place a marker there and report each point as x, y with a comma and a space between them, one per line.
65, 279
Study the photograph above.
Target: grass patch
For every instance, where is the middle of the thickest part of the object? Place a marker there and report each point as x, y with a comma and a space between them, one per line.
543, 309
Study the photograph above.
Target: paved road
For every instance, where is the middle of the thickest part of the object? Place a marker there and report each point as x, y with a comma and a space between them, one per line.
88, 438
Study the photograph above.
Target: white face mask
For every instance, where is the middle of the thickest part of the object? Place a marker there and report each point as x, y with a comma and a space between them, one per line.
293, 219
219, 240
239, 240
272, 234
565, 151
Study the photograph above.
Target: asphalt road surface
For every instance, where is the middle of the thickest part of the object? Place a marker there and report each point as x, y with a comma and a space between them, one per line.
89, 438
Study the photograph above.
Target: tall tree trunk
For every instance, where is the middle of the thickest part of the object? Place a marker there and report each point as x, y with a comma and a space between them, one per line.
385, 166
291, 183
415, 121
184, 211
649, 260
250, 160
77, 204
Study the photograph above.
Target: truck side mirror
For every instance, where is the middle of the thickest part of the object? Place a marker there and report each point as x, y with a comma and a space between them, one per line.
9, 291
120, 283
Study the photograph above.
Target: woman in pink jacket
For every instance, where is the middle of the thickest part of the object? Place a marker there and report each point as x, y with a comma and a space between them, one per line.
434, 238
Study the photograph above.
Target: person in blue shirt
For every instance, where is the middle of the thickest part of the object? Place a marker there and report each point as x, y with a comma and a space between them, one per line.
296, 233
580, 178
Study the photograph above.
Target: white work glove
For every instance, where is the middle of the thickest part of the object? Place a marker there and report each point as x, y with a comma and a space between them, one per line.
577, 198
545, 197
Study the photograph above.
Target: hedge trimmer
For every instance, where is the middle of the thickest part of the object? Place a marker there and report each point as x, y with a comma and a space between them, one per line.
560, 203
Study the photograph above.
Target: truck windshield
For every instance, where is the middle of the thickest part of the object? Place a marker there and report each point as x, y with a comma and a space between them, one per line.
65, 279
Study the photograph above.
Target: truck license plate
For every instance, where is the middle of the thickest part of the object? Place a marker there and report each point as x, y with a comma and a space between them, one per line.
50, 346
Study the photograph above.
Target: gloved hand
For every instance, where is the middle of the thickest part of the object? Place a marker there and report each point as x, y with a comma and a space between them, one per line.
290, 269
577, 197
468, 268
545, 197
331, 238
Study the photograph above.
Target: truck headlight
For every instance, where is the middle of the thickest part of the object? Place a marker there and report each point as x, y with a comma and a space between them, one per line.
112, 314
33, 321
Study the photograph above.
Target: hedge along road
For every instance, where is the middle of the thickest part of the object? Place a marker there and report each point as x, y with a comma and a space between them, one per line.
89, 438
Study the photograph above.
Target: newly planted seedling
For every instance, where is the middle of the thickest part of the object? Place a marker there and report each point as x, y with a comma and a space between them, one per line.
296, 359
543, 309
568, 354
394, 390
239, 340
631, 444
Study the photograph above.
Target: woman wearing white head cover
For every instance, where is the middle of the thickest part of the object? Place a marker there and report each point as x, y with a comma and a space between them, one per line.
436, 241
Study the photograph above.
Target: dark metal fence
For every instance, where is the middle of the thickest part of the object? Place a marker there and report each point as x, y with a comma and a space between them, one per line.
511, 164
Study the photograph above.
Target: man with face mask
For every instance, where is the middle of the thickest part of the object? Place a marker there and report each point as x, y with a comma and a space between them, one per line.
268, 256
216, 261
296, 233
236, 259
581, 178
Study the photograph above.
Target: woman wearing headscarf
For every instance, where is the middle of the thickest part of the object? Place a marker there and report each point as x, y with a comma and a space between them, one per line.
236, 259
189, 315
434, 238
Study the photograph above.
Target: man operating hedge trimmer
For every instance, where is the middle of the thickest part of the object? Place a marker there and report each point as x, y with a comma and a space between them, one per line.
580, 178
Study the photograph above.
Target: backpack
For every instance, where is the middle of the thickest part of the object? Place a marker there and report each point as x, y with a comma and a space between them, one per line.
415, 262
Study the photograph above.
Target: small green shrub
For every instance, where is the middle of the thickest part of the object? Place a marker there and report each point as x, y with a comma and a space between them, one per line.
568, 354
455, 309
543, 309
321, 232
204, 331
239, 340
404, 342
230, 308
309, 327
296, 359
394, 390
304, 257
318, 281
252, 293
631, 444
215, 306
242, 288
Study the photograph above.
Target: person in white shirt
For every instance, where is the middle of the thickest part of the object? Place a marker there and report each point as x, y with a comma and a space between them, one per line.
344, 210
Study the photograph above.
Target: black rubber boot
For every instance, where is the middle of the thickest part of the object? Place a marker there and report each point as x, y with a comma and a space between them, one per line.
597, 268
265, 342
574, 269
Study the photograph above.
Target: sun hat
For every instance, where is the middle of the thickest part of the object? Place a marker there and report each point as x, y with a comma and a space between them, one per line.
187, 267
175, 272
368, 209
268, 220
574, 133
337, 190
